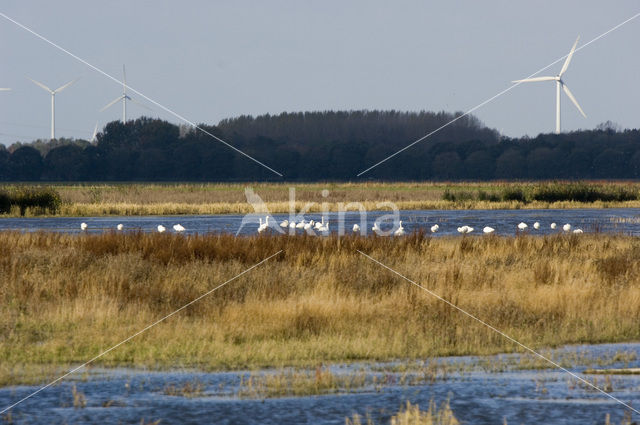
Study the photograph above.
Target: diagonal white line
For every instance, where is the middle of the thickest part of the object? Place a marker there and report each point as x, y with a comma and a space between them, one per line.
175, 114
136, 334
500, 332
480, 105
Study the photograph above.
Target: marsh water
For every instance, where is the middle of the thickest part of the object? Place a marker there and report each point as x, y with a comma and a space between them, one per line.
481, 390
614, 220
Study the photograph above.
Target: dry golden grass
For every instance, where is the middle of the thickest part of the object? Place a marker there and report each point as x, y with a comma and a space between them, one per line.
65, 298
229, 198
411, 414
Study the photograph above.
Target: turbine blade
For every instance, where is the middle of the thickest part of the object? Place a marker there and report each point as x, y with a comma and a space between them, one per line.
4, 89
573, 99
532, 80
59, 89
95, 133
124, 80
110, 104
38, 83
140, 104
568, 60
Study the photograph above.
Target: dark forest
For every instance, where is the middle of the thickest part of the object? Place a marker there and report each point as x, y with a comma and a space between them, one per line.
325, 146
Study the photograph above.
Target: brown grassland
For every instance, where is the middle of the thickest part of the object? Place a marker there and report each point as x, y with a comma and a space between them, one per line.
66, 298
95, 199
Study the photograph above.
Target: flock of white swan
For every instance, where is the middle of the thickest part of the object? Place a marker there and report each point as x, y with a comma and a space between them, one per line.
323, 227
178, 228
521, 227
400, 231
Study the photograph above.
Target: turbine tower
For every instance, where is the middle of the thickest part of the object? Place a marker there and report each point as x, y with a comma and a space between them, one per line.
53, 102
559, 85
123, 97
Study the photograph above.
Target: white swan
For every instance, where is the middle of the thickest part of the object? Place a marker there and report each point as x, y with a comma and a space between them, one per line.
301, 224
553, 225
356, 228
263, 226
83, 226
435, 228
292, 224
161, 228
400, 230
522, 226
488, 230
120, 226
465, 229
578, 231
566, 227
324, 227
376, 227
284, 223
308, 225
536, 225
178, 228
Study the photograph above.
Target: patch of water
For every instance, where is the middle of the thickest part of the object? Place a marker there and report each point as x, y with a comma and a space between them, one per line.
477, 396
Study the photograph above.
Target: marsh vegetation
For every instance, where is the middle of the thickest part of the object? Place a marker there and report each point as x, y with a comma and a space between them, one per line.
211, 198
411, 414
66, 298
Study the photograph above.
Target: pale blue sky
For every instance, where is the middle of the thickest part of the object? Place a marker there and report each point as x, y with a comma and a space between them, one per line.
210, 60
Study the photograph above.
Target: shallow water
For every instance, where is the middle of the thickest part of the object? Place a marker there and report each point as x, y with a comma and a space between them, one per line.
477, 396
615, 220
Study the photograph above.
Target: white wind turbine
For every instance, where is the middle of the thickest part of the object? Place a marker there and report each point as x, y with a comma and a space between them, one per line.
53, 101
559, 84
123, 97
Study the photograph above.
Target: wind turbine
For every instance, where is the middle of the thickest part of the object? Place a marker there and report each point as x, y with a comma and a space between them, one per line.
559, 84
123, 97
53, 101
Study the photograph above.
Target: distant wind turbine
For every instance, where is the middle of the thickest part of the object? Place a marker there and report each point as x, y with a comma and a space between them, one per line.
559, 84
53, 101
123, 97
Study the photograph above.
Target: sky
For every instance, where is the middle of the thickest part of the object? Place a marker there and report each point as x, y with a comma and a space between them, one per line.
210, 60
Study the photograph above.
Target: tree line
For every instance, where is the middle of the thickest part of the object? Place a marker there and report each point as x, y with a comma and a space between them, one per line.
325, 146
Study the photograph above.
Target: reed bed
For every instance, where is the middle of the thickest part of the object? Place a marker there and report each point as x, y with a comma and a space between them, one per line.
411, 414
202, 199
66, 298
95, 210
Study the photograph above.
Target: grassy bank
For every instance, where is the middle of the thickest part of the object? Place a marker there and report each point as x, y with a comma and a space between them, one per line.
178, 199
66, 298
